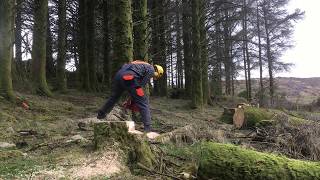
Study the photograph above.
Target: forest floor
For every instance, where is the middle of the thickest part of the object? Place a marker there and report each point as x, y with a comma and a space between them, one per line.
50, 145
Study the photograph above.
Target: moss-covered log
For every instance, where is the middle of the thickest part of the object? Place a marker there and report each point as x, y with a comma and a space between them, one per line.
136, 145
222, 161
252, 115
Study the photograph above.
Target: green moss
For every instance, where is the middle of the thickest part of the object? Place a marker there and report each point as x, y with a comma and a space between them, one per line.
137, 147
252, 116
297, 121
230, 162
255, 115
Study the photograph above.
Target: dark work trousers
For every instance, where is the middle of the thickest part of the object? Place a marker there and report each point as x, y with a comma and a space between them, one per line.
119, 85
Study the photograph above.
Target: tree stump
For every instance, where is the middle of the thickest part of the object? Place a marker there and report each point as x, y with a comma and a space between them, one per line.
132, 142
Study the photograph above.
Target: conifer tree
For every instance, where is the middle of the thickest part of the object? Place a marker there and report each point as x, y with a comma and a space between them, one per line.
39, 47
6, 48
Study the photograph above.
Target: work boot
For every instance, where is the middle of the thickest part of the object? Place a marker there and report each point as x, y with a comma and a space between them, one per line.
147, 128
101, 115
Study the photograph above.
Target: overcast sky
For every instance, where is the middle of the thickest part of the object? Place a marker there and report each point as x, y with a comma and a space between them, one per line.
306, 53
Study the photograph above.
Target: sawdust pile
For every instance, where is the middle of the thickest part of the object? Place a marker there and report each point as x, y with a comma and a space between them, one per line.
105, 165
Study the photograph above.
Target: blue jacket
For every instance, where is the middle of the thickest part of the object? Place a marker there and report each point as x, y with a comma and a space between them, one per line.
142, 71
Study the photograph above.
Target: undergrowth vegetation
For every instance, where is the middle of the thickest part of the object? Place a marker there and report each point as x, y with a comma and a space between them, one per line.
43, 134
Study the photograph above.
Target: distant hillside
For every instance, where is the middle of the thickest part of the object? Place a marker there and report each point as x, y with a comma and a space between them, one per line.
305, 90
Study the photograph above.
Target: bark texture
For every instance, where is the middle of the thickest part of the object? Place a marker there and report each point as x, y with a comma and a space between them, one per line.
140, 27
62, 35
197, 96
6, 48
39, 47
122, 36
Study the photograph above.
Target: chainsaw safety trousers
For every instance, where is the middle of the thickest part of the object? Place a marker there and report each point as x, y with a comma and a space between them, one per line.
132, 78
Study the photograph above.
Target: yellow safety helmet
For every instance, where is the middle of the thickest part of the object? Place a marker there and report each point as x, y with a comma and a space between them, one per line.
158, 71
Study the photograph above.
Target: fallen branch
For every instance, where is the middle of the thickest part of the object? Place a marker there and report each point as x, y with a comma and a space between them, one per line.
141, 166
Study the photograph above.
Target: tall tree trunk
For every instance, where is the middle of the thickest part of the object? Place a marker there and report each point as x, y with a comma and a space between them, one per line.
122, 37
216, 85
178, 48
83, 51
140, 42
204, 51
18, 39
160, 86
247, 49
6, 48
50, 70
171, 66
62, 35
197, 96
91, 4
107, 44
244, 48
75, 41
140, 29
154, 36
245, 65
227, 59
261, 88
39, 47
269, 58
187, 52
232, 80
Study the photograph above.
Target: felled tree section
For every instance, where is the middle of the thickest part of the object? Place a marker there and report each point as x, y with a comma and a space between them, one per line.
223, 161
245, 116
138, 149
294, 137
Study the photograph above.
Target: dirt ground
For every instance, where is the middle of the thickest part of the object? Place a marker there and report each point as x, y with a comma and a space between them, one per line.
50, 143
44, 133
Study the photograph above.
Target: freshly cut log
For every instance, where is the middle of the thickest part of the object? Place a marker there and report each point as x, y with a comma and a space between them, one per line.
245, 116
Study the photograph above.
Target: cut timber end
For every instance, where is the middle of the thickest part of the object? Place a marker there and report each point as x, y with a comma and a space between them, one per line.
245, 116
238, 118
